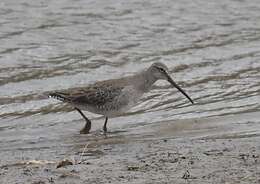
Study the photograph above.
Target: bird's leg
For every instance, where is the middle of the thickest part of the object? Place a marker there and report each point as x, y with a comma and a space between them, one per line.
87, 127
105, 126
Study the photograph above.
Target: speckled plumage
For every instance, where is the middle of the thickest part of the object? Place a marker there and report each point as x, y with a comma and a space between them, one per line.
114, 97
107, 98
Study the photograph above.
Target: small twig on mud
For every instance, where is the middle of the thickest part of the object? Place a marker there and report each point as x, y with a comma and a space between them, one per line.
82, 154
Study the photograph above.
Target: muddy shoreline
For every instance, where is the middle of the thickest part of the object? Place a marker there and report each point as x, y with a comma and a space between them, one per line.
199, 151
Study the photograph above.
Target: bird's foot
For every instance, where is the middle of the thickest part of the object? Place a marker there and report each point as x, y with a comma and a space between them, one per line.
84, 131
105, 130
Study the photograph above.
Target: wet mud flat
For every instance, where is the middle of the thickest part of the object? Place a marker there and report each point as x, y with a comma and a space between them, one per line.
205, 150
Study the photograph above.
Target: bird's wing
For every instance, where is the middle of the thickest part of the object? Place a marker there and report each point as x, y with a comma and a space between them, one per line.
97, 96
93, 95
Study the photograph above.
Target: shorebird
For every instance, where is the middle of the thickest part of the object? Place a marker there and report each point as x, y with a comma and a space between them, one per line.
114, 97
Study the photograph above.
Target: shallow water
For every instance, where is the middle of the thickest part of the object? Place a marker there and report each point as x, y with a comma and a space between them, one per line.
212, 49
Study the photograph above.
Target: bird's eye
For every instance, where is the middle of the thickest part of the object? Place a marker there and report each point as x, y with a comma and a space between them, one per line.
161, 69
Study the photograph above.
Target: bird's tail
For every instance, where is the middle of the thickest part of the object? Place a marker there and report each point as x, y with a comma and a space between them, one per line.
59, 96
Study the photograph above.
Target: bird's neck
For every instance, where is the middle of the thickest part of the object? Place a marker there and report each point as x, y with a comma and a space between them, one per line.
145, 81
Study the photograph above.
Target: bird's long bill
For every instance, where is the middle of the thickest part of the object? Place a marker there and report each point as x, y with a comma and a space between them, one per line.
179, 88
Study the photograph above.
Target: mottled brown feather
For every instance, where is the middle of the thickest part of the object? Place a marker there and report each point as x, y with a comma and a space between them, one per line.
97, 94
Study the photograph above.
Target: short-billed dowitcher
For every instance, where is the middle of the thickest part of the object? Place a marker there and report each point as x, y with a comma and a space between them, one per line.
114, 97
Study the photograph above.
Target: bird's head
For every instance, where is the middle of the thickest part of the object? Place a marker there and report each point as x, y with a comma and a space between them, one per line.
160, 71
